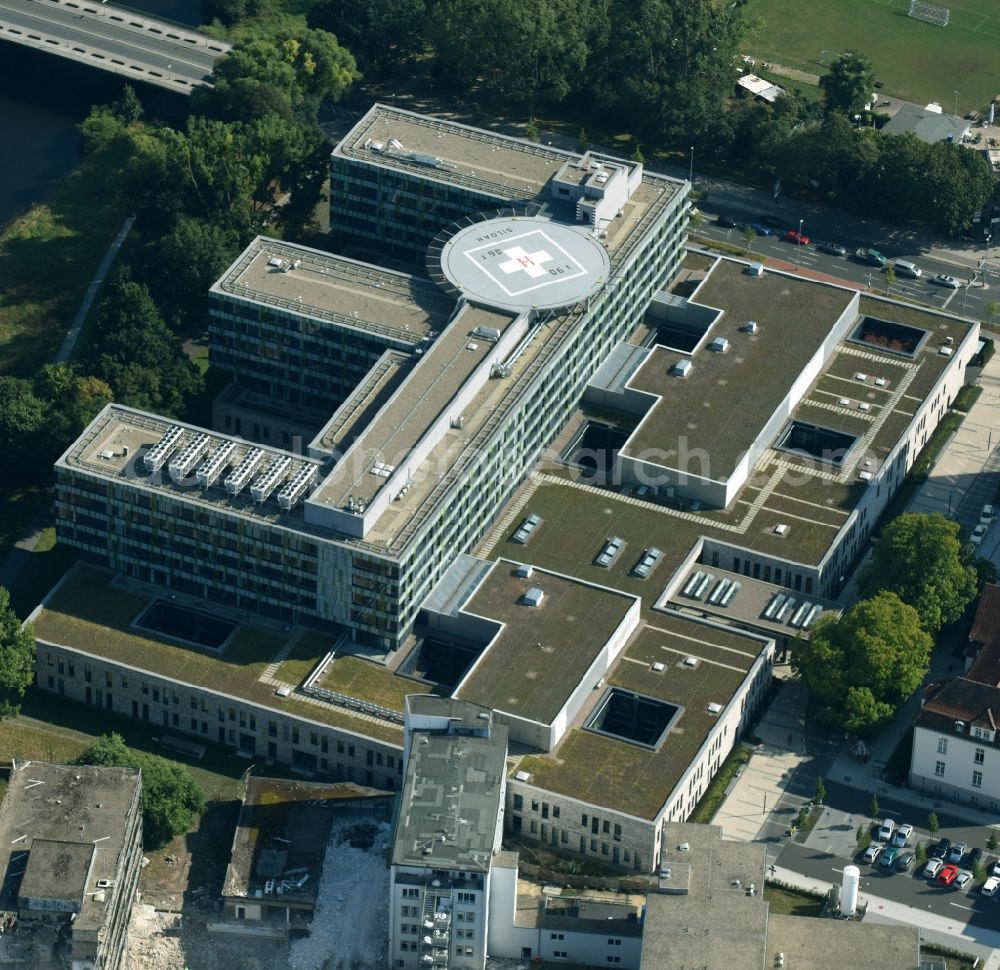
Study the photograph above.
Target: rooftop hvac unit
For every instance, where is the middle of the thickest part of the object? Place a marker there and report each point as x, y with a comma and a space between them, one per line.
243, 472
690, 662
188, 457
781, 529
861, 377
755, 269
297, 486
751, 326
522, 776
946, 351
534, 596
719, 345
524, 571
156, 457
844, 402
714, 708
864, 476
271, 478
681, 368
209, 473
864, 406
658, 667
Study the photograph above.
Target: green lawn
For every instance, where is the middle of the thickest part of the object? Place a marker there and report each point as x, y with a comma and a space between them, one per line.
917, 61
790, 902
47, 258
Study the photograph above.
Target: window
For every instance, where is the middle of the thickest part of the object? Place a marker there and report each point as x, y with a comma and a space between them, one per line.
980, 755
614, 941
411, 893
557, 936
534, 805
466, 897
518, 803
977, 779
942, 745
939, 769
613, 959
982, 733
560, 955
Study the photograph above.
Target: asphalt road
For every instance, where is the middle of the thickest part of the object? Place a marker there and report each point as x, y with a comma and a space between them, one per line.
101, 34
969, 300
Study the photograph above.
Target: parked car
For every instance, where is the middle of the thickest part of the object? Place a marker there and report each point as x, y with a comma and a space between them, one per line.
941, 850
933, 868
872, 853
872, 256
888, 858
957, 852
794, 236
902, 836
995, 868
947, 876
834, 249
975, 855
987, 515
963, 879
948, 282
886, 830
905, 860
727, 222
761, 229
991, 886
978, 534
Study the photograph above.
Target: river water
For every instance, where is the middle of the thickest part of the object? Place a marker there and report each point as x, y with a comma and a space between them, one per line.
42, 100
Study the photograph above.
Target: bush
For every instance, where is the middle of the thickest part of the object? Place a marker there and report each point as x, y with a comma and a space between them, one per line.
966, 397
932, 823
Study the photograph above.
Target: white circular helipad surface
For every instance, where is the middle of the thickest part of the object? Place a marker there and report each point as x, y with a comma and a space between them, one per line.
520, 263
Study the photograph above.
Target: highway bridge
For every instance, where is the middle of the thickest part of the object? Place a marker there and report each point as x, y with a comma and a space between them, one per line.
114, 39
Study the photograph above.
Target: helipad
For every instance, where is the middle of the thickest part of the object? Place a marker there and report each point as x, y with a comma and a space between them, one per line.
520, 263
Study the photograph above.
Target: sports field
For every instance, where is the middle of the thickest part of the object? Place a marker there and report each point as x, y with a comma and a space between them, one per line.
916, 60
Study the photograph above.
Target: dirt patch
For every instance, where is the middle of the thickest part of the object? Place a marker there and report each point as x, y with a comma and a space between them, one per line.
790, 72
190, 869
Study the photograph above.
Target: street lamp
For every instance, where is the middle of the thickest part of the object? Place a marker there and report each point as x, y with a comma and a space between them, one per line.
691, 169
798, 246
986, 261
956, 103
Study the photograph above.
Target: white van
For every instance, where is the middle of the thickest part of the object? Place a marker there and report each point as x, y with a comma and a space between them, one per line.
906, 268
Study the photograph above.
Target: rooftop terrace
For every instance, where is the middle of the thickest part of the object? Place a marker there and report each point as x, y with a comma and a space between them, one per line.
90, 614
541, 653
333, 289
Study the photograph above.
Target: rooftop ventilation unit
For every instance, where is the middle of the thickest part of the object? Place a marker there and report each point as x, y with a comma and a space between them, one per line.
880, 382
864, 476
946, 351
209, 473
692, 583
522, 776
714, 708
658, 667
156, 457
781, 529
297, 486
534, 596
844, 402
188, 456
486, 333
681, 368
751, 326
719, 345
755, 269
271, 478
243, 472
524, 571
691, 662
864, 406
861, 377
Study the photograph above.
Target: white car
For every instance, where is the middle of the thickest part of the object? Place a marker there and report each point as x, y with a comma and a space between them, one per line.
978, 534
886, 829
991, 886
902, 836
963, 879
987, 515
873, 852
948, 282
933, 868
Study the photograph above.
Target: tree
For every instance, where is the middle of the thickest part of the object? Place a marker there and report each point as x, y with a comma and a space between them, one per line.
864, 837
849, 84
17, 657
820, 792
932, 823
861, 667
137, 355
231, 11
992, 842
527, 51
890, 278
873, 806
921, 558
171, 799
992, 310
958, 184
22, 420
749, 235
379, 33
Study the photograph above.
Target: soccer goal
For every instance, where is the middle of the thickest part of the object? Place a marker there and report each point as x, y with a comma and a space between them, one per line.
931, 12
